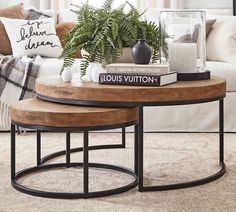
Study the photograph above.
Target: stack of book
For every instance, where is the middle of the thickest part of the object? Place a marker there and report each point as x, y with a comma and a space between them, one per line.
134, 74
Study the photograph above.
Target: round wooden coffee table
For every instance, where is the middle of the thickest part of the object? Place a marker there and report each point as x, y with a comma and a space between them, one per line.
180, 93
42, 116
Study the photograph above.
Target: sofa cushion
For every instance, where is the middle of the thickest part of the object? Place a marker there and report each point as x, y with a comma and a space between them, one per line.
53, 66
224, 70
33, 37
221, 42
209, 24
62, 29
15, 12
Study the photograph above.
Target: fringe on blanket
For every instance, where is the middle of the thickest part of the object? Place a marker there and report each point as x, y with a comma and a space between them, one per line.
5, 118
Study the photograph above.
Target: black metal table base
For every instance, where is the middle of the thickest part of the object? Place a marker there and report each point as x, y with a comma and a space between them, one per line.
80, 149
15, 176
197, 182
188, 184
74, 195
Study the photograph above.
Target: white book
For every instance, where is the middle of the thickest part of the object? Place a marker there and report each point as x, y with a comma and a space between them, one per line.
131, 68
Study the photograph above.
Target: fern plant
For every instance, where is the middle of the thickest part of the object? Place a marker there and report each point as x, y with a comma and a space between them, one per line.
104, 32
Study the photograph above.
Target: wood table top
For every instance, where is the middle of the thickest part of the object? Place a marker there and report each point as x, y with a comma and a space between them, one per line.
54, 87
43, 113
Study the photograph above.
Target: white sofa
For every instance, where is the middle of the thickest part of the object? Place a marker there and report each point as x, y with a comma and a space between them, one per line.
188, 118
201, 117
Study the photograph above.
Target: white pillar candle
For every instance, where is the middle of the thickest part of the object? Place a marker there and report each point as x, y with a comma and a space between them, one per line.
183, 57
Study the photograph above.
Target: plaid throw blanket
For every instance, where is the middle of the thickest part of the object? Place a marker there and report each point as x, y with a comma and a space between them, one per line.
17, 81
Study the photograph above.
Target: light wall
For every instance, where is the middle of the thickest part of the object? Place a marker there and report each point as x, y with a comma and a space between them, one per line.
190, 4
8, 2
210, 4
219, 4
61, 4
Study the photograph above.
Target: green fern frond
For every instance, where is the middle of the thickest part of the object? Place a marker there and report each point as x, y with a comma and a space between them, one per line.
107, 5
104, 32
114, 29
122, 7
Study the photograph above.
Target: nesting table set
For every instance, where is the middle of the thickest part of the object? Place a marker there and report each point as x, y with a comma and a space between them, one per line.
86, 106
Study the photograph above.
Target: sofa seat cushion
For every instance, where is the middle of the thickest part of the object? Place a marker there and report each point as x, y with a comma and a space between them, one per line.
224, 70
52, 66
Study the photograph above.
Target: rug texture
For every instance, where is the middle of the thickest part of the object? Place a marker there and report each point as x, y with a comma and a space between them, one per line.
169, 158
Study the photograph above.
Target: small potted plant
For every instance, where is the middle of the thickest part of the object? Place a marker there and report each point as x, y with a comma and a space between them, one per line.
105, 32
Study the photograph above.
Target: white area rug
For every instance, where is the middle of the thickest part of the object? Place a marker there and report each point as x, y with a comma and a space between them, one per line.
168, 158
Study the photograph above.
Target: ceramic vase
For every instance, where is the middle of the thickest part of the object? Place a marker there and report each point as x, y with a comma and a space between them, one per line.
141, 52
97, 69
67, 75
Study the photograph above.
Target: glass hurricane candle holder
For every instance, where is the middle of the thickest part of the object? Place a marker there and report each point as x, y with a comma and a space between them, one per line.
183, 36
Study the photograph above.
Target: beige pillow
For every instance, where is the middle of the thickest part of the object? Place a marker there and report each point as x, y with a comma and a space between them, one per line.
62, 29
192, 38
209, 25
221, 42
15, 12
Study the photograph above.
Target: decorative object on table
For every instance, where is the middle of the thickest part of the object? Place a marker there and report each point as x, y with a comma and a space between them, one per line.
92, 72
67, 74
141, 52
138, 79
104, 32
32, 37
96, 71
89, 72
185, 34
205, 75
131, 68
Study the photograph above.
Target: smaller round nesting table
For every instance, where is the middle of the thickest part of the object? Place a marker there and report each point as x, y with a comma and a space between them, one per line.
46, 116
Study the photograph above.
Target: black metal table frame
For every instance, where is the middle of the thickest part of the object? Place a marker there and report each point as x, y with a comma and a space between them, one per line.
15, 176
141, 105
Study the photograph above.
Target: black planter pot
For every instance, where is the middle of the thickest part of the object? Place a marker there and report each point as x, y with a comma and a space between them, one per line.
142, 52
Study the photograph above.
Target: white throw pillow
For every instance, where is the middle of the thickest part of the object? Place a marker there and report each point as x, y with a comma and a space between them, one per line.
33, 37
221, 42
